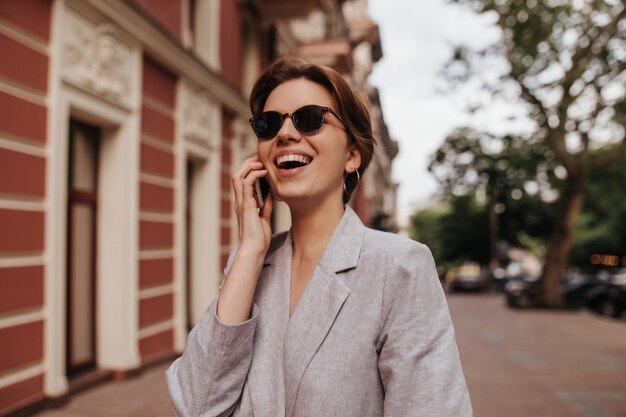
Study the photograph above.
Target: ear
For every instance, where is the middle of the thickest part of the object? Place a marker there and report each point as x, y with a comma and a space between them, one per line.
354, 159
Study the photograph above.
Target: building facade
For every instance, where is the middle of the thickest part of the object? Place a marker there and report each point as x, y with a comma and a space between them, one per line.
121, 123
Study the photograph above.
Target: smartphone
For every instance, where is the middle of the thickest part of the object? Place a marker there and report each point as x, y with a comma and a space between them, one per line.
261, 190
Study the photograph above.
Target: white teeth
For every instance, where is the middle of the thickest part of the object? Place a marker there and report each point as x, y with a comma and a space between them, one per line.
293, 157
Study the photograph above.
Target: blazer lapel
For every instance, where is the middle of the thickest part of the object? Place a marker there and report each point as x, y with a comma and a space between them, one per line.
265, 378
320, 303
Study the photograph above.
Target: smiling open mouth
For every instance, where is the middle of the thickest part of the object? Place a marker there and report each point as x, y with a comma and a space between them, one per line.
292, 161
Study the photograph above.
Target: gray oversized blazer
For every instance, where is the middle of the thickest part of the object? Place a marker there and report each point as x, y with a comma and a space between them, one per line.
370, 336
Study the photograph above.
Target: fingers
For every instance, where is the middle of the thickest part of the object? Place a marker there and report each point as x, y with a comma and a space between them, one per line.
252, 223
268, 206
248, 187
249, 166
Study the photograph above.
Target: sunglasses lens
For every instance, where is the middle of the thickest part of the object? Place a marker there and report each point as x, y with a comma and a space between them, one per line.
267, 124
308, 119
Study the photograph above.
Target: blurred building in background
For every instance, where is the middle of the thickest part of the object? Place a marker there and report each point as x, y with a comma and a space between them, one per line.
121, 123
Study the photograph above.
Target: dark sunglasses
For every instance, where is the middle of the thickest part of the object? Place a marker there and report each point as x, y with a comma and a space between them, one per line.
308, 120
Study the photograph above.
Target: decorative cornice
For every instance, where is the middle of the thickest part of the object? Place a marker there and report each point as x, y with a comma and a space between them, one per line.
170, 53
198, 116
93, 58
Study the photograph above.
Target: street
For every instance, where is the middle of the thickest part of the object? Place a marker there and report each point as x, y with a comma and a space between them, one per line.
539, 363
517, 364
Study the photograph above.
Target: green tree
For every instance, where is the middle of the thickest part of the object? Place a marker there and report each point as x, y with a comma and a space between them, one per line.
601, 228
510, 172
465, 231
425, 227
456, 231
566, 61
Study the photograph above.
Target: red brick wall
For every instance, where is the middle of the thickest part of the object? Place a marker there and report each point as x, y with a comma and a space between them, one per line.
167, 12
26, 66
21, 393
156, 201
21, 289
155, 272
231, 26
23, 113
22, 174
22, 119
226, 204
32, 16
26, 345
154, 346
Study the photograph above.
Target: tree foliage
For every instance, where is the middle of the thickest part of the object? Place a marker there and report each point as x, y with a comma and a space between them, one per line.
516, 173
566, 61
601, 228
457, 231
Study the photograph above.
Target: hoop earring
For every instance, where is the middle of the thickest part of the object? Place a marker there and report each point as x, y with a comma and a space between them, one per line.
358, 179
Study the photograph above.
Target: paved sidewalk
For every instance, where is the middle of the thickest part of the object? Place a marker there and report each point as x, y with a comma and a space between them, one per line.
141, 396
517, 364
540, 363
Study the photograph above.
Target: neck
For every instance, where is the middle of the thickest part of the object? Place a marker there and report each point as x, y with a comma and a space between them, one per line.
313, 226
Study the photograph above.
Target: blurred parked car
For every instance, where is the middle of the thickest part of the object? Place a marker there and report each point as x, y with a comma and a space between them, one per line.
500, 278
619, 278
522, 290
468, 278
577, 288
609, 298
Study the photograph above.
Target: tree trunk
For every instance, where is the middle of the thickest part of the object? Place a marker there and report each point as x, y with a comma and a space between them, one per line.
561, 240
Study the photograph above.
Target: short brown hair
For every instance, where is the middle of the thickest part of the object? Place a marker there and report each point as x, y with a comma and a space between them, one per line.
350, 106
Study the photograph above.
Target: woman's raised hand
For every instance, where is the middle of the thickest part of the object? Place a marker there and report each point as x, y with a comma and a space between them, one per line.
235, 299
255, 231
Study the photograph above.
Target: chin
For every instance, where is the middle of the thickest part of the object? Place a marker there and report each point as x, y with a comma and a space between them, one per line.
292, 196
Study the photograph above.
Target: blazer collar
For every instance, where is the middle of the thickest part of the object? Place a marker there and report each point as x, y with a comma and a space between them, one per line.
342, 251
320, 303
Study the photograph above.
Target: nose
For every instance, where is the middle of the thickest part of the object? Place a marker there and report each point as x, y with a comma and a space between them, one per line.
288, 131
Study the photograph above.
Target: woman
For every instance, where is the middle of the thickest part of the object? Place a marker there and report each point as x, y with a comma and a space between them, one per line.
330, 318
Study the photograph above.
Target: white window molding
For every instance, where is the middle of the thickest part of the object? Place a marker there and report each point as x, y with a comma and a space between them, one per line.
117, 116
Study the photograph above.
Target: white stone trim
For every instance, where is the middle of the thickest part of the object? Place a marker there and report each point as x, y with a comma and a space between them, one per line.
20, 35
157, 106
199, 146
156, 291
154, 216
156, 179
13, 262
23, 92
117, 222
206, 272
156, 143
55, 380
179, 282
146, 254
169, 53
25, 203
207, 32
155, 329
22, 318
21, 375
96, 58
25, 148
